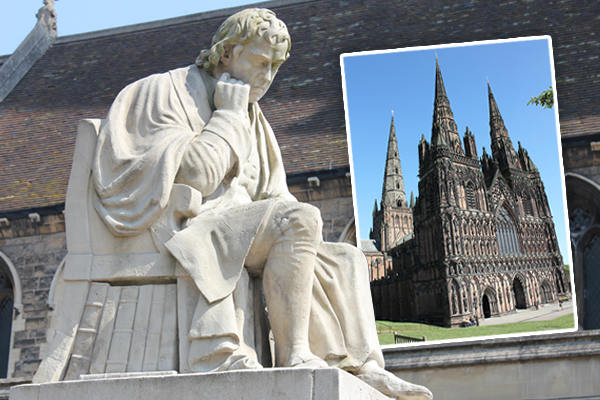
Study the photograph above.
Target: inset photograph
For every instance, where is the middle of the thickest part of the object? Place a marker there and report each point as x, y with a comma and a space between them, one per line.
459, 189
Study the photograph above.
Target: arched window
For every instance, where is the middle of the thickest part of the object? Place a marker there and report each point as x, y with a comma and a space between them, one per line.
7, 300
470, 194
431, 202
527, 207
591, 278
506, 231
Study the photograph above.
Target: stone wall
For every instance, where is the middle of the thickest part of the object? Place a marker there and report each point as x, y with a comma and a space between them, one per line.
35, 249
582, 157
331, 195
550, 366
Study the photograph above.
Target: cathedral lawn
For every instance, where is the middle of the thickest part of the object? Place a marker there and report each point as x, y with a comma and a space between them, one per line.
432, 332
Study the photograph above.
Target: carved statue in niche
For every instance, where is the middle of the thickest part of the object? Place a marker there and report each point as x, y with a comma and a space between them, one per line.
447, 235
201, 126
455, 303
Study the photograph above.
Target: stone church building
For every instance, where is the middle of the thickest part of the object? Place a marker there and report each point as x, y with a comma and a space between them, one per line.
51, 82
478, 242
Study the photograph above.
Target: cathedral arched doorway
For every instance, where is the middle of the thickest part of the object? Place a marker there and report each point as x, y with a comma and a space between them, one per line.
546, 292
519, 292
489, 302
7, 301
485, 304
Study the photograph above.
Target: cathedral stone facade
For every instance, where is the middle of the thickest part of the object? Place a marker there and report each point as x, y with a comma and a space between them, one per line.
483, 242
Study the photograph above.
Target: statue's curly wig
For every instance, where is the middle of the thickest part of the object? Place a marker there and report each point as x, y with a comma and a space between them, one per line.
241, 28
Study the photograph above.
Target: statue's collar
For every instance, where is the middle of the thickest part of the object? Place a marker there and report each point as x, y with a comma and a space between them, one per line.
209, 82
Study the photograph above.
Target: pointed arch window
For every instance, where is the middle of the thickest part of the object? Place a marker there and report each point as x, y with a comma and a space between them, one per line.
506, 231
431, 202
470, 195
527, 207
6, 316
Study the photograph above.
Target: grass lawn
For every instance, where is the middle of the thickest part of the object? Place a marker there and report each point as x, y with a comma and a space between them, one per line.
437, 333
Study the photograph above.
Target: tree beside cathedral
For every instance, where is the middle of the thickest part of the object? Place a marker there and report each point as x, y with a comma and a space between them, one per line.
479, 241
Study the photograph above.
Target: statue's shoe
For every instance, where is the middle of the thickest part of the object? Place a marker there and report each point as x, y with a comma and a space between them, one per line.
305, 360
390, 385
243, 362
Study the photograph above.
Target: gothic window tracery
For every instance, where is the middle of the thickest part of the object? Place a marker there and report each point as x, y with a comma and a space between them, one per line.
579, 220
470, 195
508, 241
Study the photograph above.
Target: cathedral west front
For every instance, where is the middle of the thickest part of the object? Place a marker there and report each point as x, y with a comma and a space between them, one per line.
479, 240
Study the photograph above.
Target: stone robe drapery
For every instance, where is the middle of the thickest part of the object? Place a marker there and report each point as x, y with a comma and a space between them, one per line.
139, 150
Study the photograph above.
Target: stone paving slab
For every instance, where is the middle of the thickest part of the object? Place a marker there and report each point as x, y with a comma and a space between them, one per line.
547, 312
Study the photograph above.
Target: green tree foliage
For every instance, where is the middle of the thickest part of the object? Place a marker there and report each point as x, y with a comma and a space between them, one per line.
546, 99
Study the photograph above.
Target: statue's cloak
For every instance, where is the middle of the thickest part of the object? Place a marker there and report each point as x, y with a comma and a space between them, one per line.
138, 154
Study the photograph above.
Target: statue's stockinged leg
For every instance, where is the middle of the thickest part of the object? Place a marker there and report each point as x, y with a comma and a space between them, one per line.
293, 236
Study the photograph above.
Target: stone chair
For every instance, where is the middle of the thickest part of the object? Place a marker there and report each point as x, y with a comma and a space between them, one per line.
123, 302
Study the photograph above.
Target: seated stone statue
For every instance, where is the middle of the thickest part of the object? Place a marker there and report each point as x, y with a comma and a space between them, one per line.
201, 126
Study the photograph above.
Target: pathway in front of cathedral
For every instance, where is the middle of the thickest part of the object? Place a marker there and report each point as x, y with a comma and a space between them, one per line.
549, 311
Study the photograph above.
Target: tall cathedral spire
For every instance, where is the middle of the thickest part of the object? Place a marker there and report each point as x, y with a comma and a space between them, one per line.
502, 147
444, 131
393, 183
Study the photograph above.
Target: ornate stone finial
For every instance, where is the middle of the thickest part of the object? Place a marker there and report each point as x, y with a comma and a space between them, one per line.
47, 16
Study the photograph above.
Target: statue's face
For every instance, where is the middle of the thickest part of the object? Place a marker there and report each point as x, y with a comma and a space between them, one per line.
255, 63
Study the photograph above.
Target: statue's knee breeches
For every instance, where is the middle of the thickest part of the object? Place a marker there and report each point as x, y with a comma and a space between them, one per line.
288, 227
298, 219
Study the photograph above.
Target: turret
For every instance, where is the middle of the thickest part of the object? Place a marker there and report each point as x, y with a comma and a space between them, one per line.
502, 149
470, 146
393, 183
444, 131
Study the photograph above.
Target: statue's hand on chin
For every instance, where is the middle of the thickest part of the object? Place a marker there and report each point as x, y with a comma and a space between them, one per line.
232, 94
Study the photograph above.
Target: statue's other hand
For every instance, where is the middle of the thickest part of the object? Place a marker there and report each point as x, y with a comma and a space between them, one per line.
232, 94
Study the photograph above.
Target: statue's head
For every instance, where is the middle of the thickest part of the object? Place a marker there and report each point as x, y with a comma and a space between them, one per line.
250, 45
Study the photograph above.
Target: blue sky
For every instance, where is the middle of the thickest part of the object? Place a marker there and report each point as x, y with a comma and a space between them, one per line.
17, 18
404, 81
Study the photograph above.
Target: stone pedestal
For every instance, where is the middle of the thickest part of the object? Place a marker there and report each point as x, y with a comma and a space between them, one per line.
275, 383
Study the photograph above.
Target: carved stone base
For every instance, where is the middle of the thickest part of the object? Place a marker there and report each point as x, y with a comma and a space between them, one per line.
266, 384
